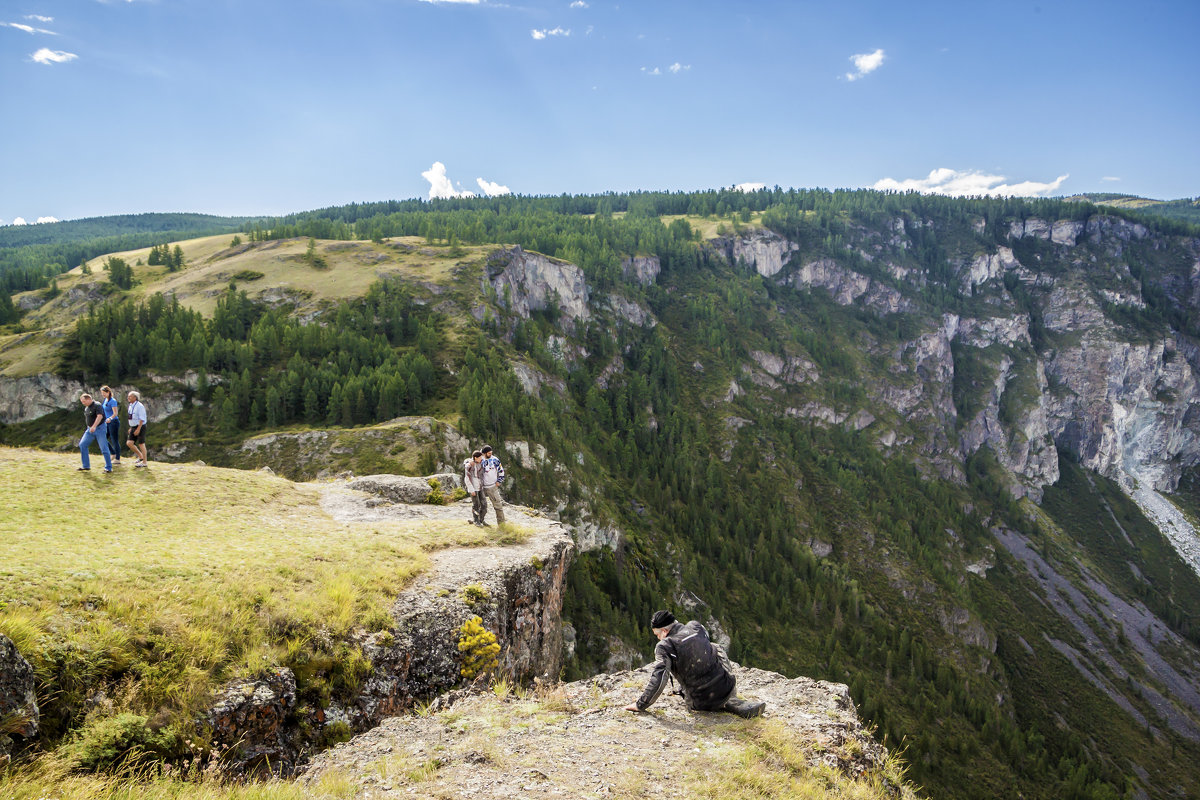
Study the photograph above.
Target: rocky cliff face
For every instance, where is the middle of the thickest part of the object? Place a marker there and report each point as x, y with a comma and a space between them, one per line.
1056, 367
525, 282
516, 590
18, 705
27, 398
762, 250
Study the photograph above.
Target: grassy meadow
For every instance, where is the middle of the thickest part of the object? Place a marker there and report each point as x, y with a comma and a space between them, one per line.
277, 269
142, 590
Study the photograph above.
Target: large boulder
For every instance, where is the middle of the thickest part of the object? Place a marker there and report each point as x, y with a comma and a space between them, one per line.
405, 488
18, 704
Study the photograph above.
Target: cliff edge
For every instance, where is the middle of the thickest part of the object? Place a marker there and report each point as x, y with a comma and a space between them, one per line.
575, 740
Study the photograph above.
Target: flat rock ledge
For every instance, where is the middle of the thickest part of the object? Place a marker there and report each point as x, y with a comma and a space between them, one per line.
575, 740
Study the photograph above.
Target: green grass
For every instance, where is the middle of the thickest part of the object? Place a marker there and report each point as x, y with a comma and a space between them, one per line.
53, 778
156, 585
769, 761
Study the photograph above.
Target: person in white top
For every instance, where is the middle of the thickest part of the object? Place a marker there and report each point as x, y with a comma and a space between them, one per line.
137, 429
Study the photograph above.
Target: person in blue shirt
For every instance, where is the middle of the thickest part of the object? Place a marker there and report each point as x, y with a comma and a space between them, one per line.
112, 423
493, 476
94, 431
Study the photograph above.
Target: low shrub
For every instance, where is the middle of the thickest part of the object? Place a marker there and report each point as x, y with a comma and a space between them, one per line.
120, 740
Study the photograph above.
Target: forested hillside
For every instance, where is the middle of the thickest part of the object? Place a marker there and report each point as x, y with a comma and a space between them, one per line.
871, 437
32, 255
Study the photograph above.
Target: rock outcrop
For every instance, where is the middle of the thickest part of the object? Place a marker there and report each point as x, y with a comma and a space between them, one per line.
405, 488
576, 738
25, 399
642, 269
18, 704
524, 282
516, 589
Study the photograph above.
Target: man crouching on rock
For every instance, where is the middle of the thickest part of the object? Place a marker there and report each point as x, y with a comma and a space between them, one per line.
702, 668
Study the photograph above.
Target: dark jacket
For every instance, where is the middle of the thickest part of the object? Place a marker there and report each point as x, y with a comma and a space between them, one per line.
701, 668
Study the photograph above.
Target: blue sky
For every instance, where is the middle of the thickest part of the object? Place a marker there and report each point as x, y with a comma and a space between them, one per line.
266, 107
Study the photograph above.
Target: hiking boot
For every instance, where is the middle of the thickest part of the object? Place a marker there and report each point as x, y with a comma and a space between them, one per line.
746, 709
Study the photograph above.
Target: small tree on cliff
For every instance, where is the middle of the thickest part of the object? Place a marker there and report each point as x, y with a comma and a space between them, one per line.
478, 647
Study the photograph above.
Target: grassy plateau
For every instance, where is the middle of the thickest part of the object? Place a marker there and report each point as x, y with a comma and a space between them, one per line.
141, 591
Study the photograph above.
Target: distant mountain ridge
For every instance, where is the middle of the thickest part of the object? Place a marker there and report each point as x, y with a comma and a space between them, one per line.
32, 255
75, 230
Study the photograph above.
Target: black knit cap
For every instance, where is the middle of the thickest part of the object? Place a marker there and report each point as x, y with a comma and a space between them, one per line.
662, 619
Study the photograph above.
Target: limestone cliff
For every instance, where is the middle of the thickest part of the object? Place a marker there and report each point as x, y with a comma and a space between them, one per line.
1055, 366
523, 282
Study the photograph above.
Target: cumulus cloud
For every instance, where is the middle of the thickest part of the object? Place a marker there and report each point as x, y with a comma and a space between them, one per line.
865, 64
957, 183
19, 221
579, 4
749, 186
542, 33
655, 71
27, 28
46, 219
676, 68
39, 18
492, 189
48, 56
440, 186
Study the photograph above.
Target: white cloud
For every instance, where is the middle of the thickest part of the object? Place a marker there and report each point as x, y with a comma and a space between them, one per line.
1109, 178
46, 219
676, 68
440, 186
542, 33
579, 4
492, 189
864, 64
19, 221
960, 184
750, 186
655, 71
27, 28
462, 2
48, 56
39, 18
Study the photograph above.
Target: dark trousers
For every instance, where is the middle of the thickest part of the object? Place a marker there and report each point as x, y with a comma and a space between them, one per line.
478, 506
114, 438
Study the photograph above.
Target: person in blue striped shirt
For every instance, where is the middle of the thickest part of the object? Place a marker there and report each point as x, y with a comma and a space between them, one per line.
493, 476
